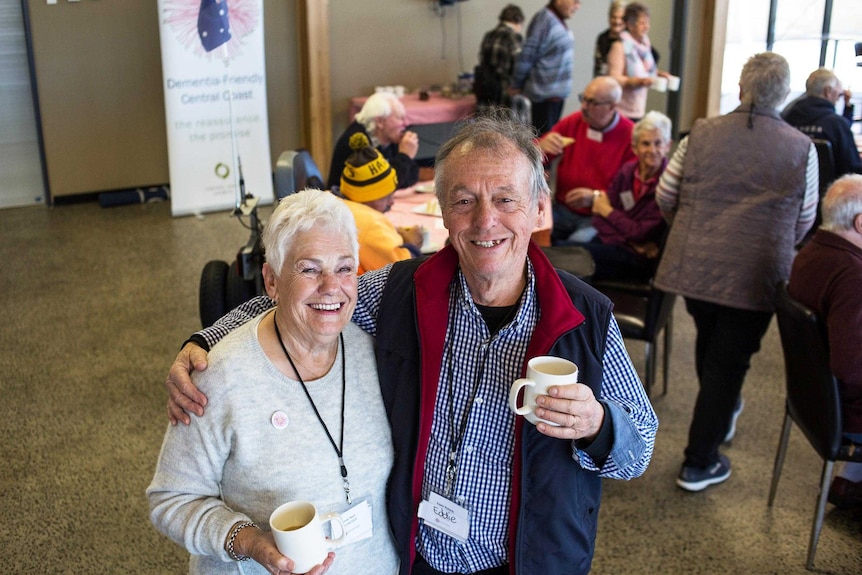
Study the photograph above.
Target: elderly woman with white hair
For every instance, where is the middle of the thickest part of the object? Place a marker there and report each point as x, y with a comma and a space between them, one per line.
627, 220
384, 121
296, 412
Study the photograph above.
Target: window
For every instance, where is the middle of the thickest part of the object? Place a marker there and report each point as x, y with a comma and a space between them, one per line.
809, 33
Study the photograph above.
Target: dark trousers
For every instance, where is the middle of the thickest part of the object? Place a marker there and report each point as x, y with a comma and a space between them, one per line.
421, 567
616, 263
726, 339
546, 114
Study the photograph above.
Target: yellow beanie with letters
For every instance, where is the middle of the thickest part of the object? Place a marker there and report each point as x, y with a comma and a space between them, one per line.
367, 176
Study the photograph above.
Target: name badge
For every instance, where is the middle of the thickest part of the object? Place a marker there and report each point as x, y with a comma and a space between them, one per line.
595, 135
627, 199
358, 523
445, 516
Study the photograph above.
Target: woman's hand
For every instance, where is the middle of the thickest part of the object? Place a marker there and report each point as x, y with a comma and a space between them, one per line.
260, 546
602, 204
183, 395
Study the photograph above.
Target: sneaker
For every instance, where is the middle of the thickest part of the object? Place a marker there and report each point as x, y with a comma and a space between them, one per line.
699, 478
731, 431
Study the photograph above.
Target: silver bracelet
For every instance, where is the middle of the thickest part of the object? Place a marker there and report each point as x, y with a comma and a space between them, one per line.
239, 527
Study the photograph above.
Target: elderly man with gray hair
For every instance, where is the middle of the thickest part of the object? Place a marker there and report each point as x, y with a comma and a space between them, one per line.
826, 276
739, 192
814, 115
384, 121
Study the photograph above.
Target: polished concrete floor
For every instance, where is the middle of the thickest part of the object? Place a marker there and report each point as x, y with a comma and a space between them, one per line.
95, 303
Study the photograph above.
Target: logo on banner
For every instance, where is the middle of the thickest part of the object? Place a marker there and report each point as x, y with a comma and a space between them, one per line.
204, 25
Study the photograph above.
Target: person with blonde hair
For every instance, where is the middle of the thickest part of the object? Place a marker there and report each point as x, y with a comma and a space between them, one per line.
606, 39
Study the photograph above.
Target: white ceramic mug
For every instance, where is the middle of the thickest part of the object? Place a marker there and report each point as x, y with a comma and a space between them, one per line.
673, 83
542, 372
659, 84
298, 533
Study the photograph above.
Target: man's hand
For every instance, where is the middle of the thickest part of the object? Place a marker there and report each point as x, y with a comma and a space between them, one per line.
409, 144
552, 143
577, 198
183, 396
574, 407
411, 235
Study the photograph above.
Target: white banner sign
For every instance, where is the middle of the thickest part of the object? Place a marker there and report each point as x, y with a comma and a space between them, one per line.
215, 102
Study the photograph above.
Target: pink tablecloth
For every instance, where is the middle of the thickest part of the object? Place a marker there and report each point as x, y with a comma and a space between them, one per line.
435, 110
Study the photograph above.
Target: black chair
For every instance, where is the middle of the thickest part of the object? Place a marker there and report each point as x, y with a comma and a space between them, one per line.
827, 164
644, 312
574, 259
813, 401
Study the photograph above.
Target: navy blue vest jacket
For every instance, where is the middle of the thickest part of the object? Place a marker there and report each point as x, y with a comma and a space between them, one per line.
555, 503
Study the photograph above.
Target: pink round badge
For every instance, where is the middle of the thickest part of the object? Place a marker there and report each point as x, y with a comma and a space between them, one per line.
279, 420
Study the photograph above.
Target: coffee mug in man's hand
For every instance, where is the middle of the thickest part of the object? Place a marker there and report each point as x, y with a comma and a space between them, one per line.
542, 372
298, 533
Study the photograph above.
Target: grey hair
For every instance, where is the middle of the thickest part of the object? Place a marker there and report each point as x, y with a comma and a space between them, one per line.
819, 80
652, 121
634, 11
842, 203
765, 80
301, 212
378, 105
491, 132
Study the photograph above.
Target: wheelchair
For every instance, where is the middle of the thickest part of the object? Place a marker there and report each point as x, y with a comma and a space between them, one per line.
223, 285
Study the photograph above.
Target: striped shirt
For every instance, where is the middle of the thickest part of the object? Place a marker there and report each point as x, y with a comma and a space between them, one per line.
546, 63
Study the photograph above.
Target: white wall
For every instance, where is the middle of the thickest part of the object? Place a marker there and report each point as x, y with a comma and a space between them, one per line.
405, 42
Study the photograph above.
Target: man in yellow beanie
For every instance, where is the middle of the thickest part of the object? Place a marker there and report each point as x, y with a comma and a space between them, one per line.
368, 183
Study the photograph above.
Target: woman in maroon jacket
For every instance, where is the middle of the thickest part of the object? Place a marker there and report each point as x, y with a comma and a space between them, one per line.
626, 217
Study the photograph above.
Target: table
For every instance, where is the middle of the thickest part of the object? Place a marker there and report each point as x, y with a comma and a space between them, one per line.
435, 110
408, 199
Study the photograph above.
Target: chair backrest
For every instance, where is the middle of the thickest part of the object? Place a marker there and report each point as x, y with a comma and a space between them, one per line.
813, 399
827, 163
294, 171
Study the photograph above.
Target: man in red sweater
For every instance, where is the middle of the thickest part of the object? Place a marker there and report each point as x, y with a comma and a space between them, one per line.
826, 276
594, 143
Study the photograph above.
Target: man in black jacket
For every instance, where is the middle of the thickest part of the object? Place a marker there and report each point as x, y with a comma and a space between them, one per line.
814, 114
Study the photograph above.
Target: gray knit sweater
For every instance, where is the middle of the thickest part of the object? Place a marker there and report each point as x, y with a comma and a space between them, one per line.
234, 464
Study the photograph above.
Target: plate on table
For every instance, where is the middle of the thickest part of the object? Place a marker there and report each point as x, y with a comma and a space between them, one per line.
429, 208
424, 188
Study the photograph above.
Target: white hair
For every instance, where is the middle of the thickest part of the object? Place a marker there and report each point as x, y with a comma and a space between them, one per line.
300, 212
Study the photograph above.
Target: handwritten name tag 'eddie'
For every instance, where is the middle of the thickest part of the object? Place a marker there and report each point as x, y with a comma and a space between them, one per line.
445, 516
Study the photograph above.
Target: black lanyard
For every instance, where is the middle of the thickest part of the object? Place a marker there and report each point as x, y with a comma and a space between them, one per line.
337, 448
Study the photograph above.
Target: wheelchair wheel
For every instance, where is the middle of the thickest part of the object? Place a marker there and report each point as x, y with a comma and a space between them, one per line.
213, 292
239, 290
